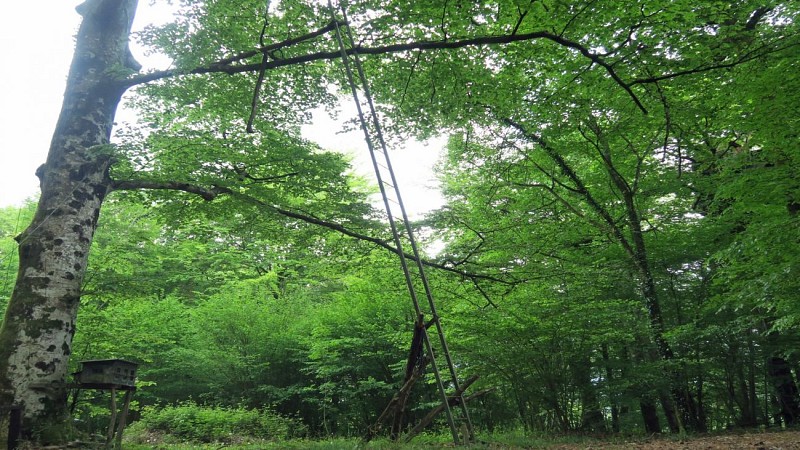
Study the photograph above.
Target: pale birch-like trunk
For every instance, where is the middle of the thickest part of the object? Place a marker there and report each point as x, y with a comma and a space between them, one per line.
36, 334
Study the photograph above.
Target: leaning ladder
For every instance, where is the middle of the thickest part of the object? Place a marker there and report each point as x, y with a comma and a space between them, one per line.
390, 191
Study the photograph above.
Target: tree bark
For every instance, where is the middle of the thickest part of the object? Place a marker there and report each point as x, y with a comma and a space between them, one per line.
614, 404
649, 416
36, 334
592, 419
786, 390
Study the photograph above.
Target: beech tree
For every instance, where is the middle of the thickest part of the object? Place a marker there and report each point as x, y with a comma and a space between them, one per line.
223, 123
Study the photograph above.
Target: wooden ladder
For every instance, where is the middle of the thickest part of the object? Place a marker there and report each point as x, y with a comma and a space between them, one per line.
453, 404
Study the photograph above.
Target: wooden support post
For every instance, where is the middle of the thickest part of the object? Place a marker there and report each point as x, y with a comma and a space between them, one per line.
112, 424
452, 401
415, 367
14, 427
123, 419
390, 408
436, 411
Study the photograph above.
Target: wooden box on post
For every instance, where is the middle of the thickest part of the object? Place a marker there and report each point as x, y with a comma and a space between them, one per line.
114, 375
107, 373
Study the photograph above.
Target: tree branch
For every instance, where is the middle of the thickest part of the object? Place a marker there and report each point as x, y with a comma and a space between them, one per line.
379, 242
757, 15
226, 65
582, 190
750, 56
215, 191
207, 194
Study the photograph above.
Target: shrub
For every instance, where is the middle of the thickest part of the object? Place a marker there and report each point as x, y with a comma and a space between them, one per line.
196, 423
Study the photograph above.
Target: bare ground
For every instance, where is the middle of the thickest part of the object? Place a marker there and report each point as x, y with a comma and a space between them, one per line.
781, 440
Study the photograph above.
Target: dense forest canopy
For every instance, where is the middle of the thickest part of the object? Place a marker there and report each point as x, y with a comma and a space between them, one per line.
620, 234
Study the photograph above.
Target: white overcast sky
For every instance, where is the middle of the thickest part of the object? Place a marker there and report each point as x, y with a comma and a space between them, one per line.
37, 39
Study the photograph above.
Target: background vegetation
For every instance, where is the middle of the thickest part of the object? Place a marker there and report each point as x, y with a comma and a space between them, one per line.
602, 269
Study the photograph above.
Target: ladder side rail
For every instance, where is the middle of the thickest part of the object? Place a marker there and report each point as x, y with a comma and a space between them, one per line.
395, 233
384, 148
371, 147
409, 231
406, 222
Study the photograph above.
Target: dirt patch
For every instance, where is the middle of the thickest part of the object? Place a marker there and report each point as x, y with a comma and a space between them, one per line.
782, 440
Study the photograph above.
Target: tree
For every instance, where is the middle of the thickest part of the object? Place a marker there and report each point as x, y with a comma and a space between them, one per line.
197, 146
561, 165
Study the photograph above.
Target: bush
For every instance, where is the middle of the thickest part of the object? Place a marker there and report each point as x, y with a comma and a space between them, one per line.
196, 423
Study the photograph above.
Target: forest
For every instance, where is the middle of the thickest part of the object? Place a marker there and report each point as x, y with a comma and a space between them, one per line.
618, 251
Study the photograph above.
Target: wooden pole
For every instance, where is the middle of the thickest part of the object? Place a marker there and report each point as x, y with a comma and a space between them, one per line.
110, 434
436, 411
414, 369
14, 427
452, 401
123, 418
396, 405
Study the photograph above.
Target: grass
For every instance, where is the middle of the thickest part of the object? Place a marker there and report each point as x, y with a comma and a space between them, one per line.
511, 440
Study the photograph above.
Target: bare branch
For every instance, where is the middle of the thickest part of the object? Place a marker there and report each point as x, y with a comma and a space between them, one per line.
226, 65
207, 194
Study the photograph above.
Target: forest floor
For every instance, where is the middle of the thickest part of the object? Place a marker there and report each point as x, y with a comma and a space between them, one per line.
778, 440
773, 440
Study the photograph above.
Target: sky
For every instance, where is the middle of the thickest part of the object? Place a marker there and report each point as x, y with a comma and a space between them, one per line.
37, 39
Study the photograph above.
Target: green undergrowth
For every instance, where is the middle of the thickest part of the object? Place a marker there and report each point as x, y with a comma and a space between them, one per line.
192, 426
508, 440
190, 423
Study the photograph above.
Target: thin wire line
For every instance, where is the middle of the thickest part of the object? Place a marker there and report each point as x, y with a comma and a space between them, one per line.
31, 232
12, 251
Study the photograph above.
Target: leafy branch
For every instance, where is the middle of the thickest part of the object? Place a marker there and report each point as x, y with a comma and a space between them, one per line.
211, 193
760, 52
228, 65
270, 60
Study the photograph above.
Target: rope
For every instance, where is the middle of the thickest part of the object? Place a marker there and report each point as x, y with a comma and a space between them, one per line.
11, 252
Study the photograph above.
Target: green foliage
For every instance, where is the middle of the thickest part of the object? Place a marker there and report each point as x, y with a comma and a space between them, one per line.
12, 220
357, 347
189, 422
611, 258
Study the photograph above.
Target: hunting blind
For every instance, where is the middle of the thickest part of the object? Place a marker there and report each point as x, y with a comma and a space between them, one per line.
105, 373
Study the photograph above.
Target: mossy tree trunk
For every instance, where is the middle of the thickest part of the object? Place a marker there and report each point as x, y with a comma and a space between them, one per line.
36, 334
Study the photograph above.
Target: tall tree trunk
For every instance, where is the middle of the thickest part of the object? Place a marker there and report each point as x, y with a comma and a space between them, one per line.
751, 380
680, 410
650, 416
632, 243
591, 413
786, 390
745, 400
36, 334
614, 404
